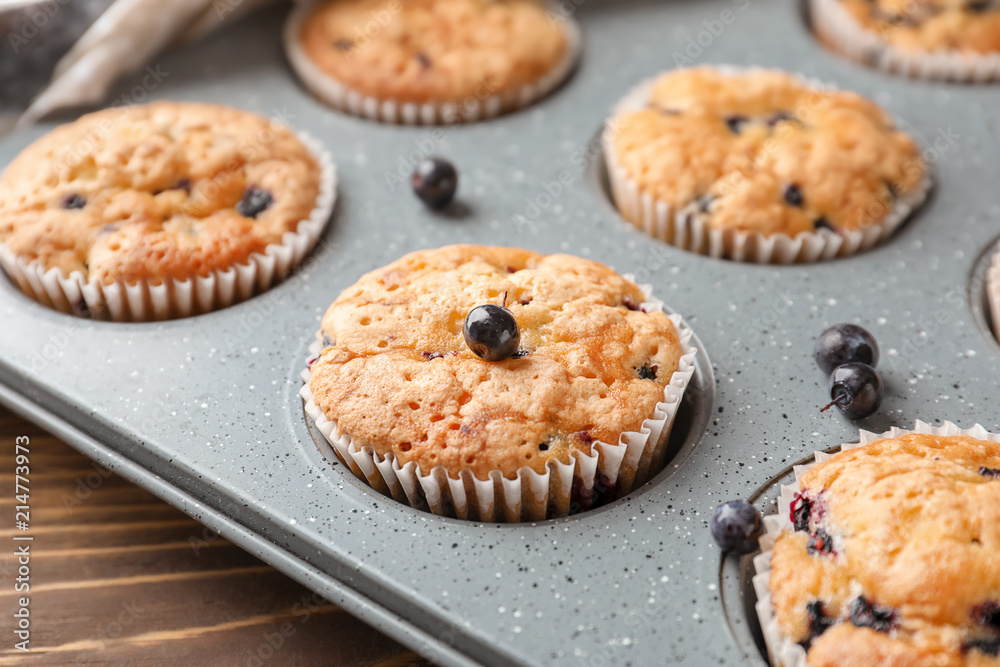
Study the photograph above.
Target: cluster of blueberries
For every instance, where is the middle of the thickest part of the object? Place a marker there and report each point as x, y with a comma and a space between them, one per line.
849, 354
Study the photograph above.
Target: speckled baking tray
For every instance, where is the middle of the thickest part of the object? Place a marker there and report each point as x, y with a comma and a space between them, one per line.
205, 411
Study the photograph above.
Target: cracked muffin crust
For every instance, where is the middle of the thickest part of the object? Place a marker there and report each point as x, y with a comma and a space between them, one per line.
892, 558
440, 51
396, 375
165, 190
971, 26
763, 151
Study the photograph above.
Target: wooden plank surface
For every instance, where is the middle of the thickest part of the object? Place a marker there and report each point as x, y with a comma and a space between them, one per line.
118, 577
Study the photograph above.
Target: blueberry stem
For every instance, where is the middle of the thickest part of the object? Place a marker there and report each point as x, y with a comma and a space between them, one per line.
841, 399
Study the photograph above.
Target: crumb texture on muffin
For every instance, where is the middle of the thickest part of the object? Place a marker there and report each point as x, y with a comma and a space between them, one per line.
893, 560
971, 26
439, 51
165, 190
763, 151
397, 376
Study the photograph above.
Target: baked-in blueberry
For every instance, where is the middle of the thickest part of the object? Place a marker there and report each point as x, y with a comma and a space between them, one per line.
990, 473
424, 60
866, 614
255, 201
73, 201
793, 195
819, 622
823, 223
820, 542
647, 372
778, 117
631, 305
987, 645
801, 511
327, 342
736, 122
987, 614
344, 44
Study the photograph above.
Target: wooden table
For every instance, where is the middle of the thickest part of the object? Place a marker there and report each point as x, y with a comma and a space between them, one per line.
119, 577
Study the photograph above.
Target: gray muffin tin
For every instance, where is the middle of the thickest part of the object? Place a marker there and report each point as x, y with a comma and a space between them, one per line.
205, 411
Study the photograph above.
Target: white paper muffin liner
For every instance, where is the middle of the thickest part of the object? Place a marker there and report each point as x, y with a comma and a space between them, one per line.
993, 292
783, 651
144, 301
838, 28
339, 96
685, 229
530, 496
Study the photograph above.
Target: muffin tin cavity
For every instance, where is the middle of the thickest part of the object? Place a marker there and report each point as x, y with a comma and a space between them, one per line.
983, 313
690, 424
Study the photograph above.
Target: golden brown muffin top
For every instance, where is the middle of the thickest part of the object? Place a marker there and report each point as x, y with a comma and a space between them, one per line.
164, 190
762, 151
396, 374
897, 543
433, 50
931, 25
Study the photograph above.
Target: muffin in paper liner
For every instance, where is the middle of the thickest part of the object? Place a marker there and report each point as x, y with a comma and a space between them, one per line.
686, 229
563, 489
473, 109
993, 292
782, 651
837, 28
143, 300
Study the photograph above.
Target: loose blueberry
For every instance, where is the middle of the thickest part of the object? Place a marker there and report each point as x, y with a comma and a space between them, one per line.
255, 201
856, 390
793, 195
865, 614
737, 526
845, 344
73, 201
990, 473
491, 332
435, 182
819, 622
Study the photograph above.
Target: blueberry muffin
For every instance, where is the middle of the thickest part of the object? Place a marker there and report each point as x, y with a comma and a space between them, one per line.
757, 152
168, 191
892, 560
594, 366
901, 34
429, 60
